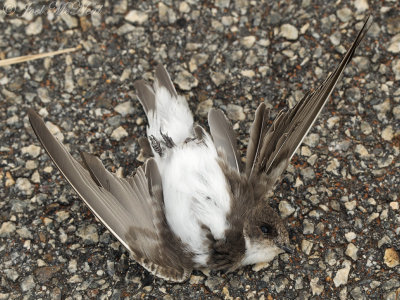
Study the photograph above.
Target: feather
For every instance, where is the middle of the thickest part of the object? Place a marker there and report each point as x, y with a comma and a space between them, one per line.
288, 130
163, 80
256, 135
132, 209
224, 137
145, 95
145, 146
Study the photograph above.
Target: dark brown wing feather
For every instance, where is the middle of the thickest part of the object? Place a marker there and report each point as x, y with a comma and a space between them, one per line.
281, 141
224, 137
132, 209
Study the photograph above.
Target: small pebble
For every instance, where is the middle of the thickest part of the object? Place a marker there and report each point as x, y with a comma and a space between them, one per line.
289, 32
342, 275
119, 133
391, 258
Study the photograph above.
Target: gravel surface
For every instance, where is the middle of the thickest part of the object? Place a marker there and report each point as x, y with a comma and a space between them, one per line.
340, 194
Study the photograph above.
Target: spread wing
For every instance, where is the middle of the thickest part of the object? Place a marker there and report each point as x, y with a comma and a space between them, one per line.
132, 208
269, 152
224, 137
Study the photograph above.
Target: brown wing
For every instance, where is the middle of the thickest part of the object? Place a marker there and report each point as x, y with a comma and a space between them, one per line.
132, 208
224, 137
269, 152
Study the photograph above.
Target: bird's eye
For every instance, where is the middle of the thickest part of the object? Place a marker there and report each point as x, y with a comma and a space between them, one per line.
266, 229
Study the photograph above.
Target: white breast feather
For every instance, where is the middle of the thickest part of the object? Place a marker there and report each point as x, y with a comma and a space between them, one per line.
195, 193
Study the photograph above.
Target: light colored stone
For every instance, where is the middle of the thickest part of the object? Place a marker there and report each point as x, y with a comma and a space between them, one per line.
350, 205
120, 7
35, 27
43, 95
186, 81
194, 279
125, 108
332, 121
285, 208
308, 227
162, 12
69, 84
73, 266
12, 275
396, 68
350, 236
383, 107
88, 233
24, 185
394, 205
69, 20
360, 149
258, 267
391, 258
365, 128
136, 16
9, 180
32, 150
361, 5
222, 3
7, 228
28, 283
372, 217
125, 28
55, 130
306, 246
125, 74
119, 133
24, 233
387, 133
335, 38
184, 7
62, 215
218, 78
204, 107
396, 112
248, 73
344, 14
394, 45
289, 32
351, 251
312, 140
235, 112
333, 166
248, 41
31, 164
316, 288
342, 275
197, 60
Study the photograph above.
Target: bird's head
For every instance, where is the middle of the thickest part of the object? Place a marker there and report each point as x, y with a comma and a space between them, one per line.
265, 235
262, 230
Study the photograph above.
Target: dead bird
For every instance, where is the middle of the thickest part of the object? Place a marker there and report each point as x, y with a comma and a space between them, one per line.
192, 204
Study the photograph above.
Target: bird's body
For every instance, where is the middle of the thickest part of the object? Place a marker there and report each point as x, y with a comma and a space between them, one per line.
192, 204
192, 198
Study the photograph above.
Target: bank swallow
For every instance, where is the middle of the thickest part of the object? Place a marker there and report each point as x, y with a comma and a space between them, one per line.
192, 205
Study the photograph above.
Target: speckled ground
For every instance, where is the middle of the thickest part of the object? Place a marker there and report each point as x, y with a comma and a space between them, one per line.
341, 192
